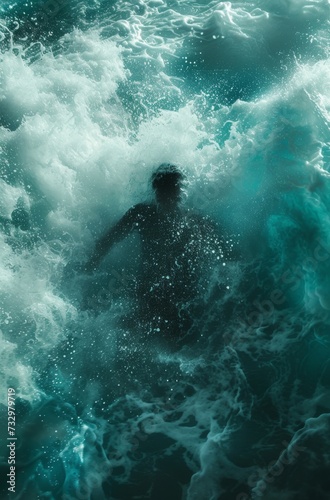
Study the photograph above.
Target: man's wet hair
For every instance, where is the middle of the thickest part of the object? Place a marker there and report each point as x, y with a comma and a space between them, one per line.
166, 177
20, 218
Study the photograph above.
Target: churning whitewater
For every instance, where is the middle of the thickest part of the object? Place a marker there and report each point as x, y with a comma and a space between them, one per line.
220, 393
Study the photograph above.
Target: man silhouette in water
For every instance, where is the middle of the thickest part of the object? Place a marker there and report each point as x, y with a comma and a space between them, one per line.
175, 246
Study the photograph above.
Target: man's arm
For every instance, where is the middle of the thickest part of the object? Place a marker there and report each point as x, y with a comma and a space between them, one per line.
118, 232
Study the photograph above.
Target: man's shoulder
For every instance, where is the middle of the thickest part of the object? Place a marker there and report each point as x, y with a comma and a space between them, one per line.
143, 209
197, 217
204, 222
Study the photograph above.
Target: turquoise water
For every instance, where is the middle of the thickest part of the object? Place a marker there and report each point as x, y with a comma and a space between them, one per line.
94, 96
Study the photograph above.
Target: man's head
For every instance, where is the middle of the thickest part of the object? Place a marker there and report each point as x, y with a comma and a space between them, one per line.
20, 218
167, 183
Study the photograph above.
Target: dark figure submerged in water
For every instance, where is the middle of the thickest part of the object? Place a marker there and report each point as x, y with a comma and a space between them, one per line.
19, 219
176, 247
